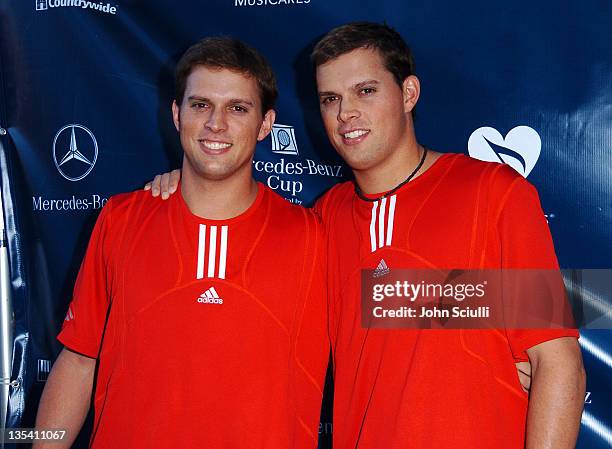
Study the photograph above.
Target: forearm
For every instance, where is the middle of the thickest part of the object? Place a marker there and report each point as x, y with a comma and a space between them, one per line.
66, 398
556, 401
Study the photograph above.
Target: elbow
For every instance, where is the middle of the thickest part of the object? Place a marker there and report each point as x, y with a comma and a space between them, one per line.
559, 365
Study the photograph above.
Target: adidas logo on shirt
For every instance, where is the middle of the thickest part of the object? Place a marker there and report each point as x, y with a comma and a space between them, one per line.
210, 296
381, 270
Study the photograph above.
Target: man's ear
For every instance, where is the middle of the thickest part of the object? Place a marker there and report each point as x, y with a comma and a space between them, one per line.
266, 125
176, 115
411, 89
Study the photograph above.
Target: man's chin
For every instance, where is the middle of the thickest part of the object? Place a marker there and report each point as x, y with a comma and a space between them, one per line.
354, 157
216, 175
358, 164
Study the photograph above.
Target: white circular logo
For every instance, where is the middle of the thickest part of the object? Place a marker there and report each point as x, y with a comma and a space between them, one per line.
75, 152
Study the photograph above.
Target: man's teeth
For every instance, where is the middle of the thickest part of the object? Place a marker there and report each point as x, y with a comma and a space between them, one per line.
355, 134
217, 145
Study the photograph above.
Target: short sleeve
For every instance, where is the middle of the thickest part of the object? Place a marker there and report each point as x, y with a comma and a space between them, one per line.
83, 326
526, 243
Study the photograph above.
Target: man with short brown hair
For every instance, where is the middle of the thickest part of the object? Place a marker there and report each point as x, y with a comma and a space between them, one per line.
411, 207
205, 314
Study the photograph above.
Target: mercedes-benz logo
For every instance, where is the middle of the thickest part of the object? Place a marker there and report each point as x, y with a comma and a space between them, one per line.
75, 161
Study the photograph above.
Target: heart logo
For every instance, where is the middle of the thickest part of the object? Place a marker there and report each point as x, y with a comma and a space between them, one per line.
520, 149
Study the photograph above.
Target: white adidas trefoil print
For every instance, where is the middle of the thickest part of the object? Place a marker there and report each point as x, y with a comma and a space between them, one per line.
212, 252
210, 296
381, 225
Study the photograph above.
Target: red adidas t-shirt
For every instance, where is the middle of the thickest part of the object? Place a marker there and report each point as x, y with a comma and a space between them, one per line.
442, 389
209, 333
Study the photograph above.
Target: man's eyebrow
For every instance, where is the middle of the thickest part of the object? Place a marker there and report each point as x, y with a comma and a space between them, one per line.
327, 94
357, 86
362, 84
241, 100
232, 101
197, 98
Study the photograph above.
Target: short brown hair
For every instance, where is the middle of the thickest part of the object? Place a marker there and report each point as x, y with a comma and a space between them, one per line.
231, 54
395, 53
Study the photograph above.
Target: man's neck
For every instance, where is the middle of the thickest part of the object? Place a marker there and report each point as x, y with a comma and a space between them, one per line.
218, 199
392, 171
